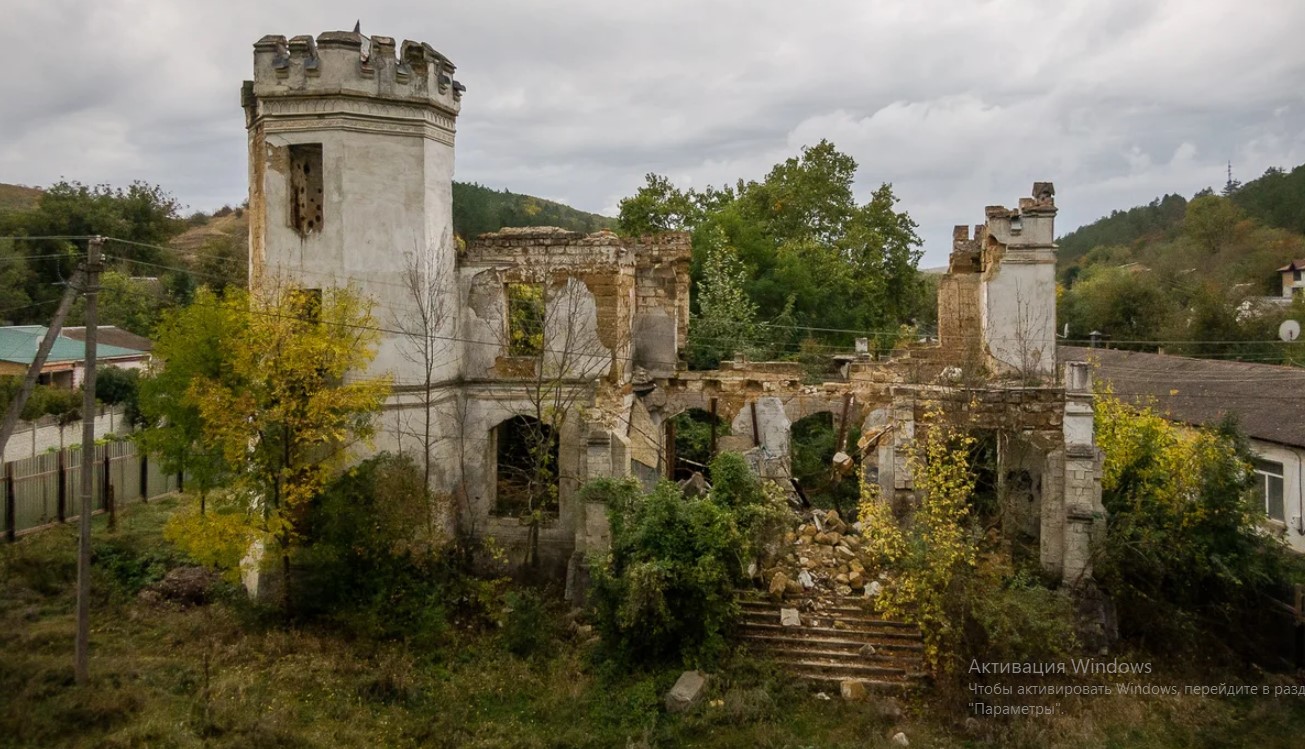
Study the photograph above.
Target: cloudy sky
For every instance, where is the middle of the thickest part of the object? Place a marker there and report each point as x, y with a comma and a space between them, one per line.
959, 104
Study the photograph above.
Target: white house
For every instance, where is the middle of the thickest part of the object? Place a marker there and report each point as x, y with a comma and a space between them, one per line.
1264, 398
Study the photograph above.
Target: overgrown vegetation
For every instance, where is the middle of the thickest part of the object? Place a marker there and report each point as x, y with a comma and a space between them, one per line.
1185, 558
774, 259
666, 592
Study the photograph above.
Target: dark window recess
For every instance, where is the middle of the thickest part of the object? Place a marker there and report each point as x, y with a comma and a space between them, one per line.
526, 472
306, 196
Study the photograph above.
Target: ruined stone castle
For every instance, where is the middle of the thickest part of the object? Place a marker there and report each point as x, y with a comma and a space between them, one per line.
351, 144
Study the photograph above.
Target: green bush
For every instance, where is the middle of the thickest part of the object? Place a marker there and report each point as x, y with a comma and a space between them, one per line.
529, 626
667, 590
1017, 619
375, 564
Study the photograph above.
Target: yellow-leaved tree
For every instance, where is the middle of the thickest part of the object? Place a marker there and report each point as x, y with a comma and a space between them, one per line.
926, 557
291, 400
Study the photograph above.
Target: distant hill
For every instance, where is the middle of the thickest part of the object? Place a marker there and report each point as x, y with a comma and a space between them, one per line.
478, 209
1276, 199
18, 197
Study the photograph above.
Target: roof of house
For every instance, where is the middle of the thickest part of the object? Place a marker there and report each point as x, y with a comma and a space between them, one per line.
1265, 398
113, 336
1293, 265
18, 344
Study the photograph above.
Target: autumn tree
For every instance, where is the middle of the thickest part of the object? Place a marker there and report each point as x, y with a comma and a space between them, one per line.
291, 399
191, 347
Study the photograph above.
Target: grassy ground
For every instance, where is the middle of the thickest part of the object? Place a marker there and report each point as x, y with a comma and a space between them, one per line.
228, 674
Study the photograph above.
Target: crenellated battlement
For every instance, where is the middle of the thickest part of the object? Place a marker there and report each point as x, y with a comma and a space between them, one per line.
349, 63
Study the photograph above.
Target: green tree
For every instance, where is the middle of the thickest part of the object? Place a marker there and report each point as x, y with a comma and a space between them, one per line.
191, 349
289, 402
1211, 222
726, 320
1126, 305
658, 206
143, 214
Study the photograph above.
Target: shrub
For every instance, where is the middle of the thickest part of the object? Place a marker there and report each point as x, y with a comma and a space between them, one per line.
1183, 548
529, 626
667, 590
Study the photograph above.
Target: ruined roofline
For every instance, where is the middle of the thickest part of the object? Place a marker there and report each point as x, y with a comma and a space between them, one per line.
515, 238
351, 63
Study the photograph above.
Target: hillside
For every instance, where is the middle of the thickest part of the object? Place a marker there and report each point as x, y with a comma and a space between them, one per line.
18, 197
478, 209
1274, 200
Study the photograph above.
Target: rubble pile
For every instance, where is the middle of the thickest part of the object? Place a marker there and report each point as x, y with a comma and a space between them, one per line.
825, 557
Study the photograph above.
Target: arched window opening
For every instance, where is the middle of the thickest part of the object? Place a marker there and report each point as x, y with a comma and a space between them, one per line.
813, 443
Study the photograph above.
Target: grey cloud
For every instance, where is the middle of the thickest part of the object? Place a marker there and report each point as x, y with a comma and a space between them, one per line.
957, 104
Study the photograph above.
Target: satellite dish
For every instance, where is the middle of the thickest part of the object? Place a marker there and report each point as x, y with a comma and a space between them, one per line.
1289, 330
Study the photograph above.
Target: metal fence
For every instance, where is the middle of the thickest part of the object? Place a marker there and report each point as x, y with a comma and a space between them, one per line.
45, 490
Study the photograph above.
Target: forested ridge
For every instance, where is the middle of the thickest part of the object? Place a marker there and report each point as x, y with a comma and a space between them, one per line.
1197, 277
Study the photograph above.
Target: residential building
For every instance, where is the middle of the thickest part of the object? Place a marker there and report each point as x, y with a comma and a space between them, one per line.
1265, 399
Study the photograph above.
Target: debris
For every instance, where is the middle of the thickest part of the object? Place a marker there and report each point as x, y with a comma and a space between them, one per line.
687, 691
866, 650
889, 709
789, 618
899, 739
873, 589
805, 579
778, 584
188, 586
822, 696
695, 486
852, 690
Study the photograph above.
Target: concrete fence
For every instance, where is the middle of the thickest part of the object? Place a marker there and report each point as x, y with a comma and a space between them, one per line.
33, 438
45, 489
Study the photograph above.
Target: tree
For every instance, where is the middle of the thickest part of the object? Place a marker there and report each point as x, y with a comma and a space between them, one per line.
190, 350
930, 556
289, 400
427, 343
809, 255
726, 320
143, 214
1129, 306
1211, 222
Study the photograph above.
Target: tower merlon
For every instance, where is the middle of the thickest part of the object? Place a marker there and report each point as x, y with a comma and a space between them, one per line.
348, 63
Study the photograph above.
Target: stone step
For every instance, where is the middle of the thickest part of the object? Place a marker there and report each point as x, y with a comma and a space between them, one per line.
825, 681
787, 638
859, 623
844, 612
886, 657
860, 636
843, 669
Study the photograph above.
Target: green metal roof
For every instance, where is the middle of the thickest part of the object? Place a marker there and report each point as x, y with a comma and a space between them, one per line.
18, 344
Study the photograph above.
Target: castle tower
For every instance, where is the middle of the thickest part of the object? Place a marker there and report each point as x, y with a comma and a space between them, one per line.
1017, 304
351, 172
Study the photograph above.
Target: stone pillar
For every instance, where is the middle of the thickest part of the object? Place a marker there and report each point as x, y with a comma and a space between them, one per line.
1084, 515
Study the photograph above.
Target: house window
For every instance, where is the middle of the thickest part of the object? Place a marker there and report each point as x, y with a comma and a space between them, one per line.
306, 195
1269, 486
525, 323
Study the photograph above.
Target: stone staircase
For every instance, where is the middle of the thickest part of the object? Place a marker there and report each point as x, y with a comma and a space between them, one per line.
828, 644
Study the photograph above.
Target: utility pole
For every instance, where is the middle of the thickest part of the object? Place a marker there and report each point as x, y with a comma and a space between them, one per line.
81, 655
42, 352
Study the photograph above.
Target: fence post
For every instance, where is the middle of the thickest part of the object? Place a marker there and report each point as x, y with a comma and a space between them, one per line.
108, 492
11, 524
144, 478
61, 504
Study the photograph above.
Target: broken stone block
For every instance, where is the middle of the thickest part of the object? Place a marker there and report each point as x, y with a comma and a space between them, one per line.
793, 587
866, 650
778, 584
852, 690
789, 618
695, 486
834, 523
855, 580
845, 552
822, 538
841, 579
873, 589
843, 590
805, 580
899, 739
687, 692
